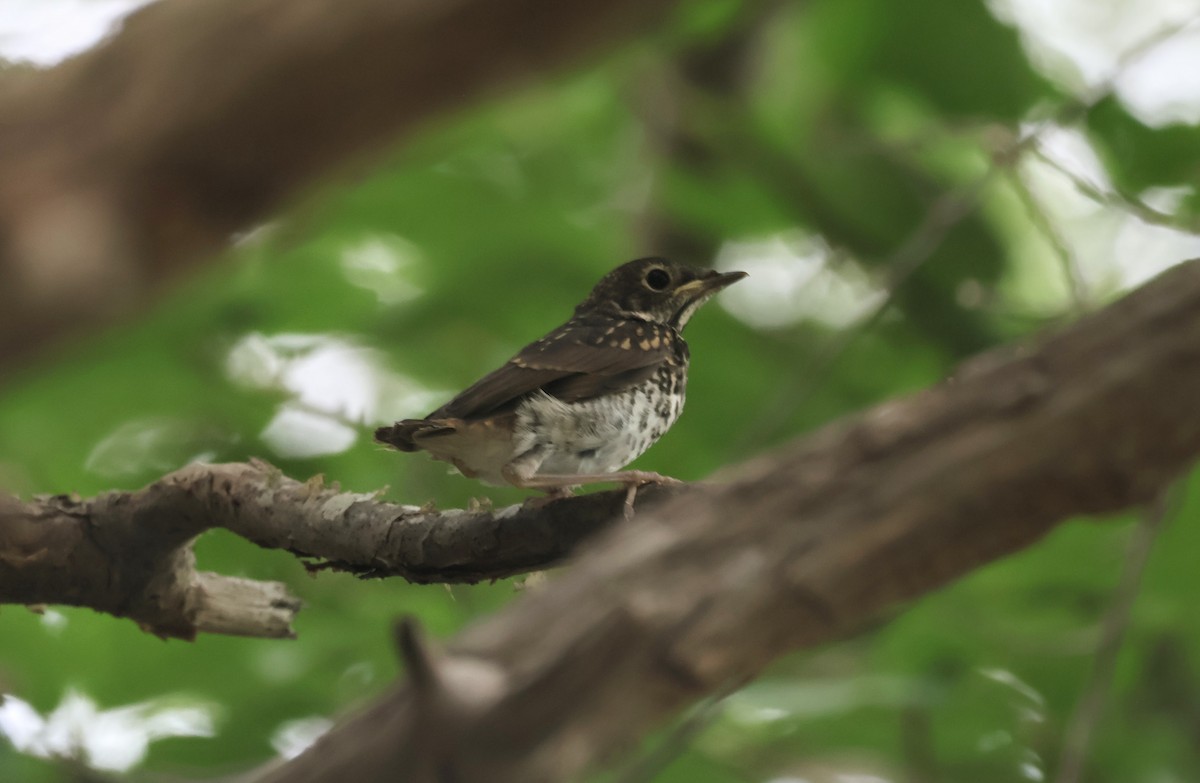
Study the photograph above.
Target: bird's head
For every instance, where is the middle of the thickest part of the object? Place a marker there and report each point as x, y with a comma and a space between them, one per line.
655, 290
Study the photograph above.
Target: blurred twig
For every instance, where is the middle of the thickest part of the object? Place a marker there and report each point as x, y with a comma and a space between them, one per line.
1137, 52
1112, 198
667, 106
1066, 257
646, 768
945, 213
901, 265
1090, 709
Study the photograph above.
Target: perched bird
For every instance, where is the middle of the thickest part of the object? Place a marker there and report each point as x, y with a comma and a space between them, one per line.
582, 402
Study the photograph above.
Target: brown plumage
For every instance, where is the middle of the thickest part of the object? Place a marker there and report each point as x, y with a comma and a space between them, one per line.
586, 399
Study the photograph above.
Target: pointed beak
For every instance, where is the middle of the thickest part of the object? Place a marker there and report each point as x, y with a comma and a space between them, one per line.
704, 287
718, 280
699, 291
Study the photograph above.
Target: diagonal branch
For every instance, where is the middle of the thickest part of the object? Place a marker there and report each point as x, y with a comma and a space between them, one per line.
705, 588
199, 120
130, 553
798, 548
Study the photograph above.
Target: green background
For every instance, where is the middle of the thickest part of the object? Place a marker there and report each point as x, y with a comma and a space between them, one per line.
847, 119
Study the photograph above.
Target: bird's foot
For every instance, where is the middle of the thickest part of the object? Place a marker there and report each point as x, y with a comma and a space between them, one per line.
639, 478
561, 485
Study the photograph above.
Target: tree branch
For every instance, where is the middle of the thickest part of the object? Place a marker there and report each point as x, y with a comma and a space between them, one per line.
130, 553
201, 119
798, 548
795, 549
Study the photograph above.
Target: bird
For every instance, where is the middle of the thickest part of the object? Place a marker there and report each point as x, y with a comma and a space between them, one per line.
578, 405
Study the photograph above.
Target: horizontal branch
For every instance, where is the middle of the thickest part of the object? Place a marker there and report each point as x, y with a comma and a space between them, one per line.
797, 548
129, 553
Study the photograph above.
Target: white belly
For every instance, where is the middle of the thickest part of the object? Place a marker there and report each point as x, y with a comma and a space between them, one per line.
595, 436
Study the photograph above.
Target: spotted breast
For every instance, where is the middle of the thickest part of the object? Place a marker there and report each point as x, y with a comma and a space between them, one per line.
577, 405
603, 434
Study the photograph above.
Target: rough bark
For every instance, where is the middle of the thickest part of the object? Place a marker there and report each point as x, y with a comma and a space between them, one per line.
703, 589
797, 548
201, 119
130, 553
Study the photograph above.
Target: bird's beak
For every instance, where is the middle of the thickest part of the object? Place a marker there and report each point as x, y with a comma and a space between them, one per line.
704, 287
699, 291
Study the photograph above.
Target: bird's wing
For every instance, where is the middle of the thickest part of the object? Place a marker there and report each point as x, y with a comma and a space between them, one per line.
577, 361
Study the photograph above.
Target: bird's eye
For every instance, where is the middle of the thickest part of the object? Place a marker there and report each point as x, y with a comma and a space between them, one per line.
658, 279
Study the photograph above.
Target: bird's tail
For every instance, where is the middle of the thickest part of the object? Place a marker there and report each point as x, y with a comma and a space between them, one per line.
400, 434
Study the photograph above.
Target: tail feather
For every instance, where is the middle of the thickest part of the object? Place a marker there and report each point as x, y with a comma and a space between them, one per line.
400, 434
477, 448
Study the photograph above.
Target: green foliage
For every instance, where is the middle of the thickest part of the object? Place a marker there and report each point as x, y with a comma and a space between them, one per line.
858, 119
1141, 157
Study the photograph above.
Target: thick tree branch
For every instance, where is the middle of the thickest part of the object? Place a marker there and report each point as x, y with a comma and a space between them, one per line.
798, 548
795, 549
201, 119
130, 553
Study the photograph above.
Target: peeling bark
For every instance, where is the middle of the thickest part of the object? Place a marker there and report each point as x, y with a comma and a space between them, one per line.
130, 553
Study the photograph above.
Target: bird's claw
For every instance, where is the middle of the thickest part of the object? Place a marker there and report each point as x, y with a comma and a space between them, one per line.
642, 479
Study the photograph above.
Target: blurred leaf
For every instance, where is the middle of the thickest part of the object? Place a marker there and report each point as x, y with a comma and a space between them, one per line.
848, 121
1140, 157
954, 55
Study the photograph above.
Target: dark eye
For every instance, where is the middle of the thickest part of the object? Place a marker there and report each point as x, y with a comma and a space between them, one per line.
658, 279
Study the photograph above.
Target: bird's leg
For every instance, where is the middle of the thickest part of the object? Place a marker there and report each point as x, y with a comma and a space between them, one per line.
640, 477
548, 480
632, 479
521, 470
